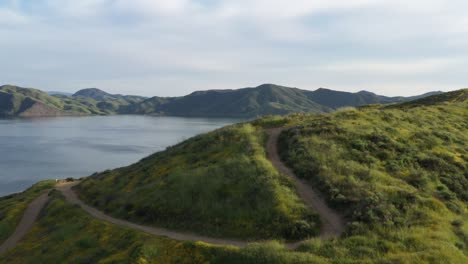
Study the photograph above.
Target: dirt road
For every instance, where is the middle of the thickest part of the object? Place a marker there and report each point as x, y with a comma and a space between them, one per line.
332, 222
26, 223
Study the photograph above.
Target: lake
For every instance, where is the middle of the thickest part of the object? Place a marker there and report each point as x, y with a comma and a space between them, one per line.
55, 148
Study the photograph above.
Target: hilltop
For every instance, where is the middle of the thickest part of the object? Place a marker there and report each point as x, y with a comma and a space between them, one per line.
458, 96
100, 95
217, 184
267, 99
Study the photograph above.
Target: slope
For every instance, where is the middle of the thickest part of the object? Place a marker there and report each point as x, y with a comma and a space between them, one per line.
217, 184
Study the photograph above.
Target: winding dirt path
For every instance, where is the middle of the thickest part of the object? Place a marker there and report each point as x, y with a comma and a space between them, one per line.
29, 217
71, 197
332, 222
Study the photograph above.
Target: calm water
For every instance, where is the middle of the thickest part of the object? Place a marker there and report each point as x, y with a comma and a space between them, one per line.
51, 148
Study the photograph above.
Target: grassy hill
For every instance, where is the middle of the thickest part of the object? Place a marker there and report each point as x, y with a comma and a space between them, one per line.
458, 96
399, 174
217, 184
58, 239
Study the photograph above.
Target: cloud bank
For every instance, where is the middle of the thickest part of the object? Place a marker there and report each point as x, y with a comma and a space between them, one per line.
172, 47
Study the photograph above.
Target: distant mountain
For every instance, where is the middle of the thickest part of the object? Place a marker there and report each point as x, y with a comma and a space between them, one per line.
337, 99
411, 98
16, 101
458, 96
266, 99
58, 93
27, 102
100, 95
93, 93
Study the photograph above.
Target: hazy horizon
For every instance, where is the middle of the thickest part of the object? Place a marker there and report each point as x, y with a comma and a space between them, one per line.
175, 47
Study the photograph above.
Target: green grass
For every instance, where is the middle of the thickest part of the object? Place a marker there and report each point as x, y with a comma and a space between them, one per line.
217, 184
12, 207
400, 174
445, 98
66, 233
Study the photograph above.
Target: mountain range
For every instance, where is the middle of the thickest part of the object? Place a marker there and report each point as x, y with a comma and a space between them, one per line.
266, 99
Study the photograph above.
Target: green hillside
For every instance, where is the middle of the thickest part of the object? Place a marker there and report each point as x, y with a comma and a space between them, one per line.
66, 234
458, 96
400, 174
217, 184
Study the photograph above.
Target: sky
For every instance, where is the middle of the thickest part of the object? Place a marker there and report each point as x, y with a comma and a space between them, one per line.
174, 47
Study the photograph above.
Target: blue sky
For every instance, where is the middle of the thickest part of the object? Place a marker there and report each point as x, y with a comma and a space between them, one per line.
173, 47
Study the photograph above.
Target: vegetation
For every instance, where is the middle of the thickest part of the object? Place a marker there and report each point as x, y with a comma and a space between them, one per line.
267, 99
12, 207
458, 96
85, 240
400, 174
218, 184
55, 239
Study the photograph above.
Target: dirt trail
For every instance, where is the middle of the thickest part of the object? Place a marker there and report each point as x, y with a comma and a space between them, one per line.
26, 223
332, 222
72, 198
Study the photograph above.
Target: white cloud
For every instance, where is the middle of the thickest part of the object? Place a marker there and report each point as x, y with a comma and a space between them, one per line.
154, 7
409, 67
279, 9
81, 8
10, 18
188, 44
